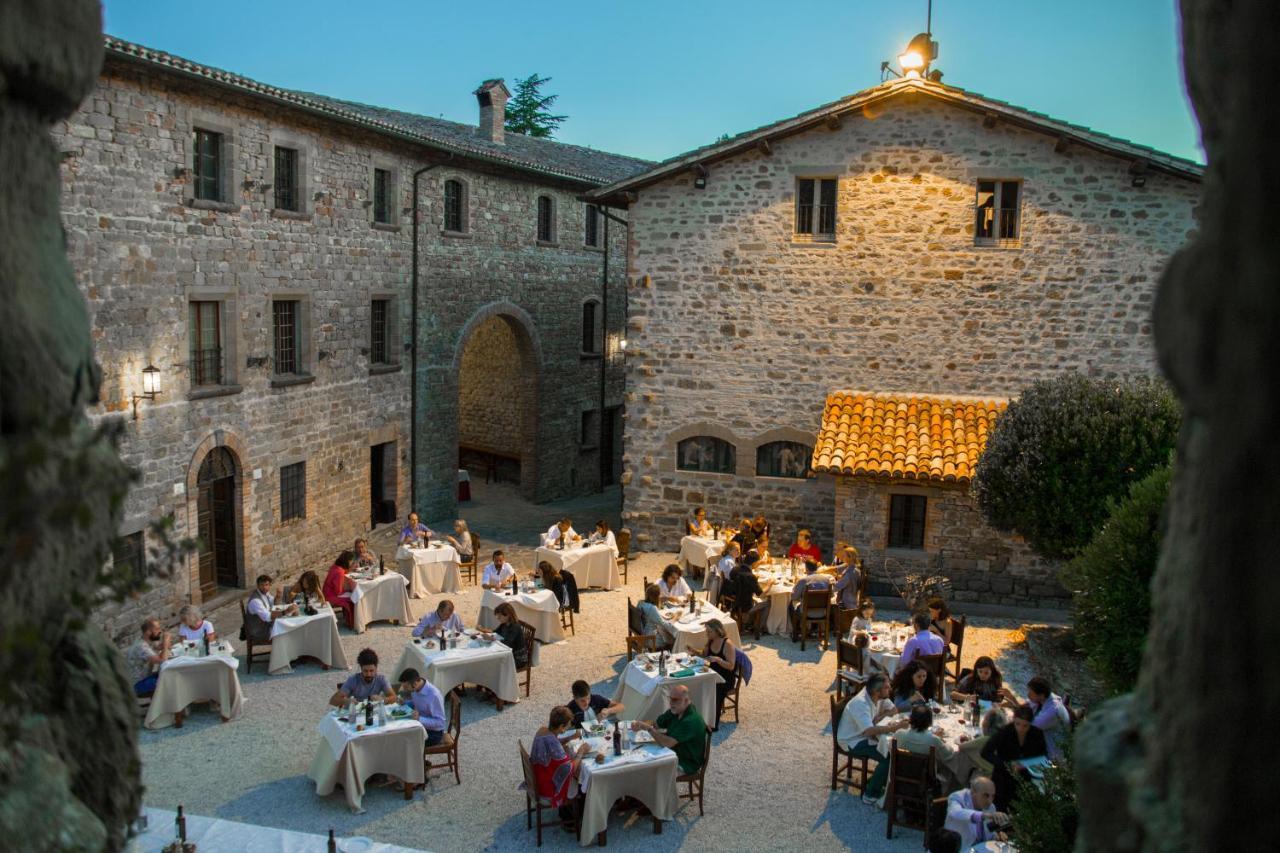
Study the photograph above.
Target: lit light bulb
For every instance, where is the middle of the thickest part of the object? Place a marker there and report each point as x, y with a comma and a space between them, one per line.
912, 60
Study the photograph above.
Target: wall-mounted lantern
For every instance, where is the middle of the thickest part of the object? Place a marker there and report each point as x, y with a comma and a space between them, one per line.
150, 386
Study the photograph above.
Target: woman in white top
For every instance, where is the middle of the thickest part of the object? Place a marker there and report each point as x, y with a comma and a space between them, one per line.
195, 627
672, 589
603, 534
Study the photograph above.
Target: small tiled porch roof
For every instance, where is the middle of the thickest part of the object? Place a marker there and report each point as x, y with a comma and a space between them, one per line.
904, 436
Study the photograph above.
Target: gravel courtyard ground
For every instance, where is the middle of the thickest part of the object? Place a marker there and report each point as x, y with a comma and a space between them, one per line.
767, 784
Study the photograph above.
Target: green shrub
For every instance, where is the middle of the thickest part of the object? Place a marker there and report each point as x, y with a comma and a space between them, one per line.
1064, 449
1110, 582
1045, 821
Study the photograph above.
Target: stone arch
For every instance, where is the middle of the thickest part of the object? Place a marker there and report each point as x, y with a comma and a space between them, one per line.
235, 447
515, 395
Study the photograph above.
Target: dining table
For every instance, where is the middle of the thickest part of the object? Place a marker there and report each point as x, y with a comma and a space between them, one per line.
645, 772
431, 570
690, 629
953, 724
539, 607
886, 641
315, 636
699, 552
473, 661
214, 833
644, 693
379, 598
591, 565
349, 753
190, 676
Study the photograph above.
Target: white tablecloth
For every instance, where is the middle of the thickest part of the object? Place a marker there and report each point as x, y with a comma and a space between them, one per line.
394, 749
380, 598
886, 648
691, 631
645, 695
953, 729
315, 636
540, 609
473, 662
429, 570
215, 834
596, 565
647, 773
699, 551
184, 680
779, 596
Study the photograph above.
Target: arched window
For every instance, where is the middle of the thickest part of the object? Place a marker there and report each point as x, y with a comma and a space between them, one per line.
591, 326
455, 205
783, 459
706, 453
546, 219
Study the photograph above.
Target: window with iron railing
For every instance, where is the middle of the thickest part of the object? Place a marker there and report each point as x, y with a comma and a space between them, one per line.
204, 332
381, 196
997, 213
816, 208
454, 210
207, 165
286, 183
293, 491
378, 320
284, 315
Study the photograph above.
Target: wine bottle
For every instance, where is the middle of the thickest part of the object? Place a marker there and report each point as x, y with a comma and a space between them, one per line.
333, 844
181, 821
368, 714
382, 566
515, 586
617, 740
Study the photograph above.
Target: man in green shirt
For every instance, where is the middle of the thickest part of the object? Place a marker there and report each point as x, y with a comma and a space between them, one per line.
681, 730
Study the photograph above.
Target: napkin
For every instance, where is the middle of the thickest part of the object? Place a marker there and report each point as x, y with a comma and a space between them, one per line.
684, 673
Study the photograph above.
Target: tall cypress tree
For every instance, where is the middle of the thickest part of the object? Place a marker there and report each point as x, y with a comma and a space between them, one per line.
529, 111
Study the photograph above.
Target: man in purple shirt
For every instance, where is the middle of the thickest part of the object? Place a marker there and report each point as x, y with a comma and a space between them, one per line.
925, 642
1051, 716
969, 810
427, 704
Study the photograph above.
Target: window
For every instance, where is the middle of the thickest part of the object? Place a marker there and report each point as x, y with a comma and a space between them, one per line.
997, 205
207, 165
706, 453
546, 219
128, 556
379, 316
454, 205
205, 334
293, 491
591, 236
285, 322
906, 521
286, 183
783, 459
590, 335
382, 196
816, 208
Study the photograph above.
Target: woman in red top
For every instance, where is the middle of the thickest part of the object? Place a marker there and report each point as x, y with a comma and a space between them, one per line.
554, 770
803, 549
337, 587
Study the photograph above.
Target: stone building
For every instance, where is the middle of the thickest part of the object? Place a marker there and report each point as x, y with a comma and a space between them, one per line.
911, 240
255, 245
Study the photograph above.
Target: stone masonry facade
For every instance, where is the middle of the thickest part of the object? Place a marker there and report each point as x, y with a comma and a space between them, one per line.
738, 328
143, 250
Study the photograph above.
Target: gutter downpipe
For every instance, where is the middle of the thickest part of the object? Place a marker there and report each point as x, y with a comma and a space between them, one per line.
413, 357
606, 463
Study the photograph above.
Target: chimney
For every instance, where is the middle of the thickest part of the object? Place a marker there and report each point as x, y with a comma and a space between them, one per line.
492, 97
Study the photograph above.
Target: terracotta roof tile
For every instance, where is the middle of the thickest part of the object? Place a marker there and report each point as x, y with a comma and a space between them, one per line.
916, 437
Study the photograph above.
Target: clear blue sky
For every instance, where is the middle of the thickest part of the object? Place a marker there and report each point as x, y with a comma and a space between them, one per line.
656, 78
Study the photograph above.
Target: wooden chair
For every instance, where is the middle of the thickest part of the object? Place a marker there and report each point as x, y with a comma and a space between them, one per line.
566, 618
696, 781
912, 784
752, 620
249, 644
533, 803
468, 568
937, 665
530, 637
850, 667
636, 641
844, 621
734, 696
936, 836
957, 640
816, 605
623, 540
448, 747
845, 766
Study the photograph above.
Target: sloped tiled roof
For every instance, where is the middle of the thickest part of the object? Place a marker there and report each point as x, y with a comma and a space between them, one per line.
904, 436
542, 156
855, 104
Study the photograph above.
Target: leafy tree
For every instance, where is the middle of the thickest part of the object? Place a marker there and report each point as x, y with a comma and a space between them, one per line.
1110, 582
1065, 449
529, 111
1045, 818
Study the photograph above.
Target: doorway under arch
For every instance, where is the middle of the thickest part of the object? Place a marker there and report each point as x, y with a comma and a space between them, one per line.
218, 521
498, 378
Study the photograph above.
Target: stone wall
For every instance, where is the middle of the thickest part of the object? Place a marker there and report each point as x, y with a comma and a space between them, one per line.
982, 564
142, 250
494, 395
736, 324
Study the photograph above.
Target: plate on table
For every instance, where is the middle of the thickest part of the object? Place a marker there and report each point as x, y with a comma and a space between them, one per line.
399, 714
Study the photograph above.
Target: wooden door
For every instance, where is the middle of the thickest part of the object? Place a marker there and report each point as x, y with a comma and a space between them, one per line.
204, 517
225, 552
